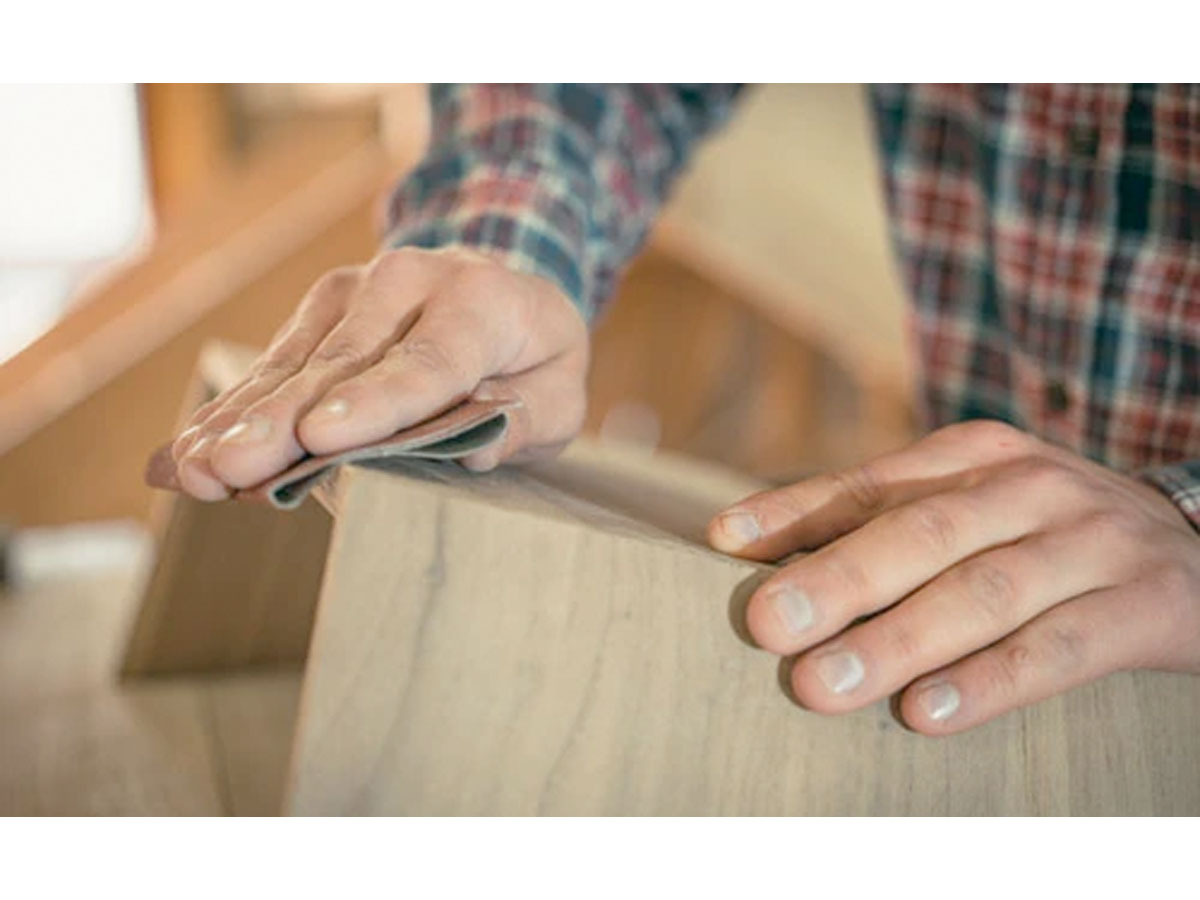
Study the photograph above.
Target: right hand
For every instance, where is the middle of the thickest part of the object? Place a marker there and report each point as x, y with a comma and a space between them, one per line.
375, 348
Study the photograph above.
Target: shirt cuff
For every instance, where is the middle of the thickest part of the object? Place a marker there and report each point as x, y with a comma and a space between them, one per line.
529, 218
1181, 483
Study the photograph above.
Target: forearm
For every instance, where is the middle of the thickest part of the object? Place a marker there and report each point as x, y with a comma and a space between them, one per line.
561, 180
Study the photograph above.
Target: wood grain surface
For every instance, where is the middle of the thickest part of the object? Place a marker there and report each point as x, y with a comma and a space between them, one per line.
232, 586
496, 645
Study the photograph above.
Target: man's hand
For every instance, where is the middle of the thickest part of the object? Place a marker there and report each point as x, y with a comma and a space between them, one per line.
998, 570
372, 349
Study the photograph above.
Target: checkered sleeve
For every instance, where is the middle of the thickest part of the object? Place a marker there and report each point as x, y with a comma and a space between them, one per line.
561, 180
1181, 482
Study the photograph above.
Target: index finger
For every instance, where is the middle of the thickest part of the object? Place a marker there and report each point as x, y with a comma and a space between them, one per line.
774, 523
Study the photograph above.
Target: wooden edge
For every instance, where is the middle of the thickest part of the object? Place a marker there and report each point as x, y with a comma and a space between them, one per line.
60, 373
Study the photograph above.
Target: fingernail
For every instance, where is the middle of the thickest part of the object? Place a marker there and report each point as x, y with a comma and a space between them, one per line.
196, 476
180, 446
331, 409
793, 608
940, 701
197, 449
248, 431
841, 672
741, 528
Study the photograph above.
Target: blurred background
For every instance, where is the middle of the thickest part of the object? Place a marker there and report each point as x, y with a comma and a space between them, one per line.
141, 220
761, 328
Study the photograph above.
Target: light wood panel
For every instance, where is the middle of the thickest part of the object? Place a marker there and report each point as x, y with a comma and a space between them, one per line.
528, 652
233, 586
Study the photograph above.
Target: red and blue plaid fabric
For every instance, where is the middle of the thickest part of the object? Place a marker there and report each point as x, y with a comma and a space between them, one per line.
1049, 235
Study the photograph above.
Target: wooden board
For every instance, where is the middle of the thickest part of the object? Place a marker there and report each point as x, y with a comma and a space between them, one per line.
233, 586
495, 645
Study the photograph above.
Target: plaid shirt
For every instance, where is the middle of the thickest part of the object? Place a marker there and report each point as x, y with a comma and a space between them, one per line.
1049, 236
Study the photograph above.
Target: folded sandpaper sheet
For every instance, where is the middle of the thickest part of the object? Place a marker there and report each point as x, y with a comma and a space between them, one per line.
453, 434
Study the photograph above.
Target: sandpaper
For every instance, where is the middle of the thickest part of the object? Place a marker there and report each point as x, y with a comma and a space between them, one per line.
455, 433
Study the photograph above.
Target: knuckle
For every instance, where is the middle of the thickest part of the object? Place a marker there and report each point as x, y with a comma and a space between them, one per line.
1068, 646
339, 354
276, 366
397, 265
990, 433
277, 406
288, 393
784, 504
427, 353
862, 486
429, 359
293, 341
1044, 476
990, 588
207, 408
931, 523
1037, 471
905, 643
849, 578
1110, 527
1008, 669
336, 282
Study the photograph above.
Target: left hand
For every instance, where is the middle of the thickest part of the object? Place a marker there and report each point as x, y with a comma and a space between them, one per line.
1002, 571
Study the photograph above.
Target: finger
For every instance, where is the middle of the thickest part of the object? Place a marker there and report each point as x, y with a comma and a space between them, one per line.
318, 312
196, 478
1069, 645
263, 441
550, 413
451, 347
772, 524
971, 606
226, 410
191, 428
894, 554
